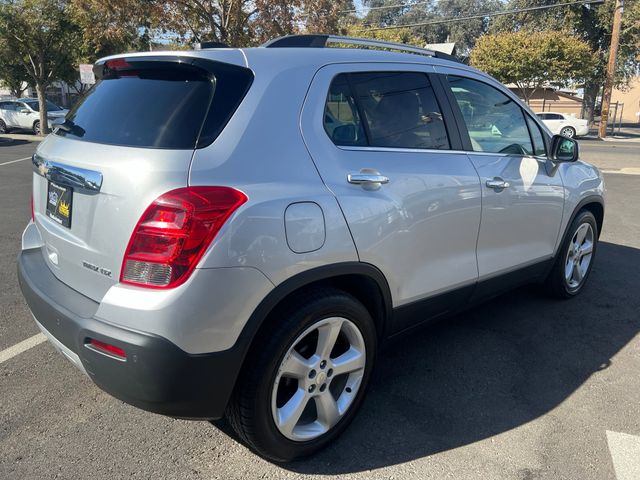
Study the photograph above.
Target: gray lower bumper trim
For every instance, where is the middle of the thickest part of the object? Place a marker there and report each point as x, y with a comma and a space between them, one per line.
71, 356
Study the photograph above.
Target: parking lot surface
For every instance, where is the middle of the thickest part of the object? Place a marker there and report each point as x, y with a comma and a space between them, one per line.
524, 387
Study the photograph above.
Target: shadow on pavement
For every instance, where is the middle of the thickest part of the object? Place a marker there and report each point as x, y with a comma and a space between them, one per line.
10, 142
488, 370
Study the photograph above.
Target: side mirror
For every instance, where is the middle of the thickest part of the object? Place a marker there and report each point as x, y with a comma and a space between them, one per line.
25, 110
564, 149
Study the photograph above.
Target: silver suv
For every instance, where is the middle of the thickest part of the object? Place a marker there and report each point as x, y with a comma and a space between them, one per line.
235, 232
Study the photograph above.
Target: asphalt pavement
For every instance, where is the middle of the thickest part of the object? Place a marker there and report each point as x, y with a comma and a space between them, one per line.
524, 387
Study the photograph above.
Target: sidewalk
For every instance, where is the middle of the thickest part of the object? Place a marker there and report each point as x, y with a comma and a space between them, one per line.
628, 133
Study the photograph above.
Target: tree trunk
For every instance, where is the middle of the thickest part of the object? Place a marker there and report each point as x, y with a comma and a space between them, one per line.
42, 102
591, 89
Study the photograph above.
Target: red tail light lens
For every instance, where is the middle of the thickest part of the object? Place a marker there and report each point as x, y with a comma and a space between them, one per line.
174, 232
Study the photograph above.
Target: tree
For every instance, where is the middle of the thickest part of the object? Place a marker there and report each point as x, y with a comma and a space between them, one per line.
464, 33
42, 36
401, 35
12, 73
531, 60
326, 16
592, 23
461, 32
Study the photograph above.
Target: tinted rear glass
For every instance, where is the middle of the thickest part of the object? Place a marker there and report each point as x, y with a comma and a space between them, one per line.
158, 105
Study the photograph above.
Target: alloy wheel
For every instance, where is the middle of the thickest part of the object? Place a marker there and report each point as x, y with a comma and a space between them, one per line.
579, 256
318, 379
568, 132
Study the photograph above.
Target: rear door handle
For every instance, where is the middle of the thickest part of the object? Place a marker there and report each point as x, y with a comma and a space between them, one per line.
498, 184
367, 179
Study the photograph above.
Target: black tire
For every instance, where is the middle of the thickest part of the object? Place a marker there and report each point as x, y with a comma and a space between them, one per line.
557, 283
3, 127
249, 412
36, 128
569, 132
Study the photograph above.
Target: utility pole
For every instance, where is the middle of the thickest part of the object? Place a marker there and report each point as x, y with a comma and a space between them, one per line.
611, 68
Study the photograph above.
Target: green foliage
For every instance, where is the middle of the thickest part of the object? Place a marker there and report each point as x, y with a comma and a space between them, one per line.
533, 59
12, 72
404, 35
591, 23
463, 33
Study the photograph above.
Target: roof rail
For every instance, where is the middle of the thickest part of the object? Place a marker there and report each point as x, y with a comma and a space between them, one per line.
321, 41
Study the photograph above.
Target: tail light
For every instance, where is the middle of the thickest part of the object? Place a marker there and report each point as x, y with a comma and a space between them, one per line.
173, 234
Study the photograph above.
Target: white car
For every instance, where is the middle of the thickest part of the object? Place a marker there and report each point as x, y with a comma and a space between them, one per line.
24, 114
564, 124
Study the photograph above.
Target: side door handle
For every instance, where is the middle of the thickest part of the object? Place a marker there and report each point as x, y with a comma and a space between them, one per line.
497, 184
367, 178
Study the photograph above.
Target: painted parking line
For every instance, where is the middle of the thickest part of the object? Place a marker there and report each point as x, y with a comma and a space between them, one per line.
625, 454
23, 346
15, 161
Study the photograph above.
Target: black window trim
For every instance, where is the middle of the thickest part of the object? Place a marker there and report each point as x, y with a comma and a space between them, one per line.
448, 115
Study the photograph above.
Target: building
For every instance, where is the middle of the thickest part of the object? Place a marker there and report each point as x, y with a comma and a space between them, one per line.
547, 99
630, 100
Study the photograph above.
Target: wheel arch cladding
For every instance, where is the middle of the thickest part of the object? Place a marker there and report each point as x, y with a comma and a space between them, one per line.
597, 209
361, 280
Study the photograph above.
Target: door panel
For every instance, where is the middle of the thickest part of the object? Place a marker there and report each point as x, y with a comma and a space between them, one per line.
10, 113
522, 194
421, 227
24, 120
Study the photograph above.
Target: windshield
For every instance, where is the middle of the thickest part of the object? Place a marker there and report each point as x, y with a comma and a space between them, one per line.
51, 107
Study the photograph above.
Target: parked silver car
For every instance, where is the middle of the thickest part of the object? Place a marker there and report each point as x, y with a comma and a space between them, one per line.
235, 232
24, 114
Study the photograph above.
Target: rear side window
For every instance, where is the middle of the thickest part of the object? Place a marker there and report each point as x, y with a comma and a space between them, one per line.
341, 120
399, 109
158, 106
495, 122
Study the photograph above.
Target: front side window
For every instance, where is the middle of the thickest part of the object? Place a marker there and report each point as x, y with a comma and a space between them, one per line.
496, 124
35, 106
385, 109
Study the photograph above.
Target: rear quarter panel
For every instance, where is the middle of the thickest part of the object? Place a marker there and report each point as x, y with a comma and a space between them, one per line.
262, 153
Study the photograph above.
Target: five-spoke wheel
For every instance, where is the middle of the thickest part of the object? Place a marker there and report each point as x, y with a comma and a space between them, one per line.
318, 379
306, 375
579, 255
575, 257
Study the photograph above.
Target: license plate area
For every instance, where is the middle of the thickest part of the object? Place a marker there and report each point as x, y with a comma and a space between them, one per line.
59, 204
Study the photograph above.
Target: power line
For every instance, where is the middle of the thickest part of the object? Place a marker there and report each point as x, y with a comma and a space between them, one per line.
385, 7
480, 15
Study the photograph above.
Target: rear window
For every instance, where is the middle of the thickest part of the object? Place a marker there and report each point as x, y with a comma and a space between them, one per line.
157, 106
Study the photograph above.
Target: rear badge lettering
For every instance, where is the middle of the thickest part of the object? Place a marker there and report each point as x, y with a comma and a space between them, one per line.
104, 271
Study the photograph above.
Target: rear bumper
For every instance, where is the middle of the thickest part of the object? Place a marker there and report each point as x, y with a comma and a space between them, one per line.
582, 130
157, 375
